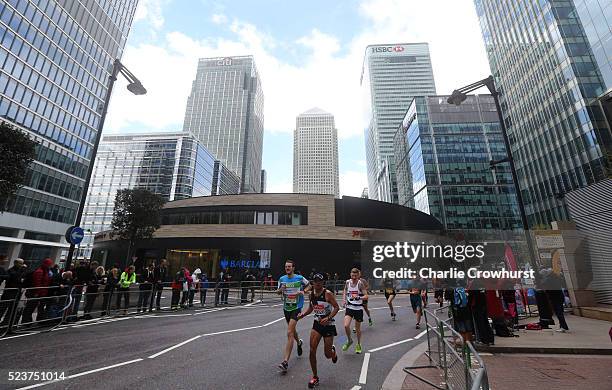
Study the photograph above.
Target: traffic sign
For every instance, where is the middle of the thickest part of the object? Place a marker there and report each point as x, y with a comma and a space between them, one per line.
74, 235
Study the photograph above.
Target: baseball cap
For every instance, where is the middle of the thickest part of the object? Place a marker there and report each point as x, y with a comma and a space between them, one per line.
318, 277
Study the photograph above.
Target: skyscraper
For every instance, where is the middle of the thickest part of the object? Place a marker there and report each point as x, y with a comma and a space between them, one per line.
315, 153
443, 153
392, 75
56, 57
550, 64
225, 112
173, 165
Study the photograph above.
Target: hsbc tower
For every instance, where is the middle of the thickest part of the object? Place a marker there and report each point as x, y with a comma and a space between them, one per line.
392, 75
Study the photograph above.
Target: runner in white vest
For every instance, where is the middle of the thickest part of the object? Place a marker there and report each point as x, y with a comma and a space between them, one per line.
354, 293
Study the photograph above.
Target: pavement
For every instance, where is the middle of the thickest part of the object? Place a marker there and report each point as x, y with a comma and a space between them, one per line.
231, 348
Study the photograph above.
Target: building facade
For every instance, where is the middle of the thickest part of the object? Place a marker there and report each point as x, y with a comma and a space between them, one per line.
56, 57
264, 180
551, 63
315, 154
392, 75
443, 153
173, 165
225, 112
261, 231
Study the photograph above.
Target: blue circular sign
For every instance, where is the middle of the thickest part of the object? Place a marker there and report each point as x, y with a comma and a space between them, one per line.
75, 235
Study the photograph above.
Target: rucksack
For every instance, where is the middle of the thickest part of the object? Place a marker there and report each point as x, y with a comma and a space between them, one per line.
460, 298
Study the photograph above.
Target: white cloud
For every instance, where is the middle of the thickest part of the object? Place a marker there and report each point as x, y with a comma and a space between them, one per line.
352, 183
327, 77
151, 12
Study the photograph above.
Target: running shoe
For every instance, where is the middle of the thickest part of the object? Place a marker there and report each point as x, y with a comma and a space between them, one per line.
370, 322
283, 366
314, 382
335, 355
418, 326
358, 348
299, 347
346, 345
354, 330
393, 315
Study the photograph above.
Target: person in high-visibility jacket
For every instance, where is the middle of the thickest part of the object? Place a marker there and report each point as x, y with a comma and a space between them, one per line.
125, 281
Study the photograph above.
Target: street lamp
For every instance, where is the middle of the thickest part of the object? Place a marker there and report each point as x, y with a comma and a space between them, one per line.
457, 97
135, 87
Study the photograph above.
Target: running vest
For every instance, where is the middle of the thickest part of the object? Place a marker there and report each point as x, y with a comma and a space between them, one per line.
321, 307
389, 286
353, 295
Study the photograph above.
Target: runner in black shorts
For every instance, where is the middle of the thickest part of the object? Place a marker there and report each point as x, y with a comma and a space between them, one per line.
325, 307
353, 295
365, 305
390, 290
416, 300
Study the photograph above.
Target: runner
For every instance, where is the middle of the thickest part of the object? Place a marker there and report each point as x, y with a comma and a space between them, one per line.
325, 307
352, 296
390, 286
365, 304
416, 300
292, 287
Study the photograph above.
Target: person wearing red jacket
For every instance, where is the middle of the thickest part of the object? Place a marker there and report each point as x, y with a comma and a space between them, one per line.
38, 292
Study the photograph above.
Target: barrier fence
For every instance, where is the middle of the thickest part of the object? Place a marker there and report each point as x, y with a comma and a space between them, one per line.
459, 365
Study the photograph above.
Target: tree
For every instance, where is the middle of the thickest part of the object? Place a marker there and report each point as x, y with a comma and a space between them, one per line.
17, 151
136, 215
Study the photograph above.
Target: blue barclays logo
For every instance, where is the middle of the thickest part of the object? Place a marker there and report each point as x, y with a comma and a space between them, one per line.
225, 263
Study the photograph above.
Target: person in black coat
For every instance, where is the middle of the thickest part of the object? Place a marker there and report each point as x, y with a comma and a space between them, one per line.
110, 284
13, 278
161, 276
92, 290
147, 279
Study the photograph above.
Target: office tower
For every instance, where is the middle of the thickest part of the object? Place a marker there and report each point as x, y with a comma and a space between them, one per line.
443, 153
225, 112
56, 57
173, 165
392, 75
315, 153
264, 179
551, 64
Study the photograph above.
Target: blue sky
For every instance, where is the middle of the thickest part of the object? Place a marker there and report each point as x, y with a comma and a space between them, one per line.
308, 53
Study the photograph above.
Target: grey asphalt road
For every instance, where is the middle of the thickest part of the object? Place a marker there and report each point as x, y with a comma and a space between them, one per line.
229, 348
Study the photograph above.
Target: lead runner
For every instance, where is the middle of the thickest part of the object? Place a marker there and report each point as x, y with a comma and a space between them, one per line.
292, 287
325, 307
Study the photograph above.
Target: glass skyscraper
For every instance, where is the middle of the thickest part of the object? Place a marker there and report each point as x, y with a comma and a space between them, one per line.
173, 165
55, 60
551, 63
225, 112
392, 75
443, 153
315, 154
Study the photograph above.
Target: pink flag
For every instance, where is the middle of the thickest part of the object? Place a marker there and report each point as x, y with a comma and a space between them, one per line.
509, 258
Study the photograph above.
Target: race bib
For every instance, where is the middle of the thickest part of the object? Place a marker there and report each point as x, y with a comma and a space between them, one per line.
319, 310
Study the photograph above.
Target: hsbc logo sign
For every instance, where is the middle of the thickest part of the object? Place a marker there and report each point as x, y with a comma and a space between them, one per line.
387, 49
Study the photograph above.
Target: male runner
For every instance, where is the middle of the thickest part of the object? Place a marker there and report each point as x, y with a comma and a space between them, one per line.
292, 287
352, 296
325, 307
365, 304
390, 290
416, 300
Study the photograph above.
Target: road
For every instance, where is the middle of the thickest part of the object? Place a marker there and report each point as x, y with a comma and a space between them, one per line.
218, 348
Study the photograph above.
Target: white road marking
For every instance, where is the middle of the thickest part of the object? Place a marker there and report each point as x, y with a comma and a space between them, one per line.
391, 345
355, 387
418, 336
364, 369
19, 335
81, 374
173, 347
231, 331
272, 322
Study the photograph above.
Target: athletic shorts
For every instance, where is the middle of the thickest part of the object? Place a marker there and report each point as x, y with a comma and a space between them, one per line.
388, 294
324, 330
292, 315
416, 302
357, 315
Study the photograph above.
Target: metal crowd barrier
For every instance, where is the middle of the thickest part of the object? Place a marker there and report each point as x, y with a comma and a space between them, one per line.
460, 366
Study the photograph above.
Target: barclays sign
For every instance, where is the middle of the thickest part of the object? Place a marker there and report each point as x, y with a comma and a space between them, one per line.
226, 263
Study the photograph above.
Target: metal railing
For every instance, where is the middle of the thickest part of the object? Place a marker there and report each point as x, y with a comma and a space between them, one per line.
459, 365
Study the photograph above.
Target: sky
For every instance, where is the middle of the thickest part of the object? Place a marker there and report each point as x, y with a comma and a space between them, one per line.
308, 53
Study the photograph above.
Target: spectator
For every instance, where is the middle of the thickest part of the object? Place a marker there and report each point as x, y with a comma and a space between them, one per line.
110, 285
227, 280
462, 315
3, 273
161, 274
252, 281
14, 278
125, 281
147, 278
187, 283
195, 285
177, 287
83, 275
554, 284
92, 289
218, 287
60, 295
37, 292
203, 289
